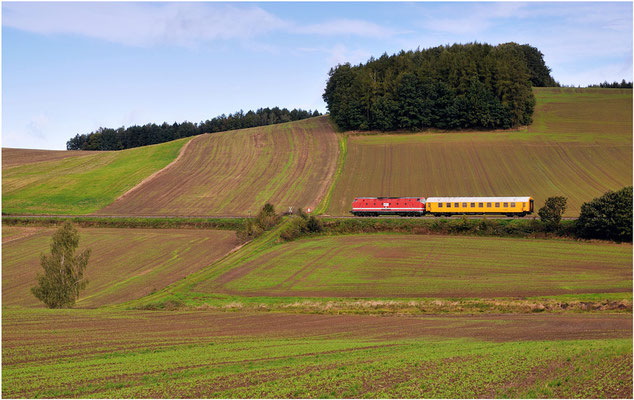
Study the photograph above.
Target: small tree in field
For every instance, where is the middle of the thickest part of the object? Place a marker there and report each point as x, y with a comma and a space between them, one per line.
553, 210
63, 271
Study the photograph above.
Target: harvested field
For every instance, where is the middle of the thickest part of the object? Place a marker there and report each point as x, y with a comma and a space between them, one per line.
15, 157
130, 354
400, 266
237, 172
125, 264
82, 183
579, 146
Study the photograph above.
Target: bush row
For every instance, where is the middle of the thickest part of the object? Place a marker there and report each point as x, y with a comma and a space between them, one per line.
444, 226
232, 224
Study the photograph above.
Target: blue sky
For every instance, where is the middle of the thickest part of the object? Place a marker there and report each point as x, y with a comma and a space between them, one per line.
71, 68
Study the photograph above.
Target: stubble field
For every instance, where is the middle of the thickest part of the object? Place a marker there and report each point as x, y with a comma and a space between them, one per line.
237, 172
579, 146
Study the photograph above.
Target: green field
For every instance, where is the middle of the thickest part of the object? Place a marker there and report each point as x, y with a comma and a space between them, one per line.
81, 185
579, 146
385, 265
114, 354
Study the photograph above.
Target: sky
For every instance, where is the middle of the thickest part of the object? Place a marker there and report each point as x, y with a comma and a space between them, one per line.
72, 67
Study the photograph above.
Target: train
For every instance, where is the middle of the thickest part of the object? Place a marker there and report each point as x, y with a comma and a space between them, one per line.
442, 206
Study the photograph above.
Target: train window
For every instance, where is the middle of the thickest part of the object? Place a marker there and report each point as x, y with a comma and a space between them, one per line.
448, 204
497, 205
456, 204
480, 204
506, 204
512, 204
439, 205
473, 205
464, 205
488, 204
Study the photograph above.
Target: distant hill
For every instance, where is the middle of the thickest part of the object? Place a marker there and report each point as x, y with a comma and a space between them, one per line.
579, 146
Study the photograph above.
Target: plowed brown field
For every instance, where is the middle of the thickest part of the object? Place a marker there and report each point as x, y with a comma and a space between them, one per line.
579, 146
14, 157
236, 172
125, 263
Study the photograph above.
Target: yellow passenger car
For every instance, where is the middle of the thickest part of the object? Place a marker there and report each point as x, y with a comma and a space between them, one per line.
510, 206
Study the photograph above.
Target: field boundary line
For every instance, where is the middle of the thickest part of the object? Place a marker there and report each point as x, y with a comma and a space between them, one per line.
156, 173
343, 152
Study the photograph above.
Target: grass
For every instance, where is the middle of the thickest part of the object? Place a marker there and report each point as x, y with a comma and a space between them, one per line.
99, 354
384, 265
579, 146
81, 185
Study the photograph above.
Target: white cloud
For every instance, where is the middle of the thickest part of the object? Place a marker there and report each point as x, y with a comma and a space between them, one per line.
340, 27
182, 24
143, 24
37, 126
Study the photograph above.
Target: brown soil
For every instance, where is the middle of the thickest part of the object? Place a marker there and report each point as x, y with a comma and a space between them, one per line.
234, 173
181, 327
125, 264
155, 174
16, 157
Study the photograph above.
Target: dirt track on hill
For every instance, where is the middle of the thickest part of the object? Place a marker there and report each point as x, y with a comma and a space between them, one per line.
236, 172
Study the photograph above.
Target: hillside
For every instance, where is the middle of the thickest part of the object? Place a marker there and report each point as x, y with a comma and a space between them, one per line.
579, 146
236, 172
401, 266
125, 264
74, 182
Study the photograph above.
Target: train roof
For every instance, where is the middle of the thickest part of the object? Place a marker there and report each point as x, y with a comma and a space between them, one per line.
397, 197
477, 199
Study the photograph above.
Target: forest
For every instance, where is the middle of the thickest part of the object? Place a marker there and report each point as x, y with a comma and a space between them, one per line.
462, 86
135, 136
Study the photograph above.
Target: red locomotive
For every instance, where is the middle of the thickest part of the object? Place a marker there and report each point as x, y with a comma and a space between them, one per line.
403, 206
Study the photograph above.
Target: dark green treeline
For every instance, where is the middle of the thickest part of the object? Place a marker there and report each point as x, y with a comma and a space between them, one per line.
135, 136
447, 87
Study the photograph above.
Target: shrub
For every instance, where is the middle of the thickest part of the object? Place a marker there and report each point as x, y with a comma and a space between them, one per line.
607, 217
301, 225
254, 227
552, 211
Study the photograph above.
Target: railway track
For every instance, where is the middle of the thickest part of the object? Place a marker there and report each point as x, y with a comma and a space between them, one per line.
431, 217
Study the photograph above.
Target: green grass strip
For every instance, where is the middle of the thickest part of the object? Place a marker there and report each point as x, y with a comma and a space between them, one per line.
343, 151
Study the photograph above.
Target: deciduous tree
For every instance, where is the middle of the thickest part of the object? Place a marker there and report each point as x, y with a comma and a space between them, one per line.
63, 276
